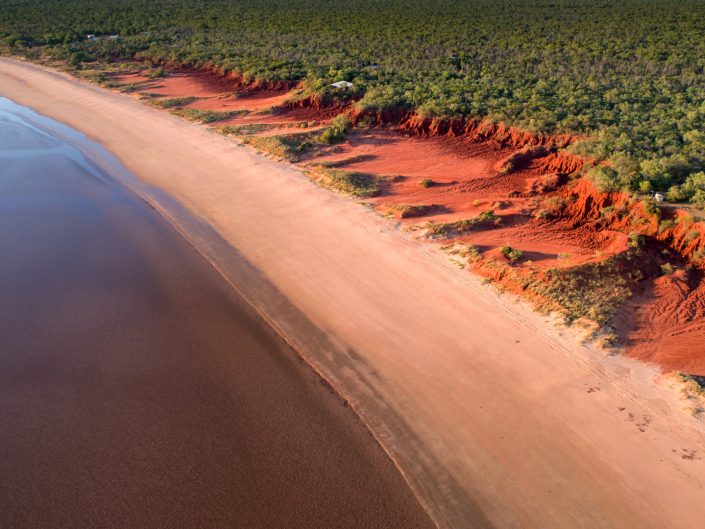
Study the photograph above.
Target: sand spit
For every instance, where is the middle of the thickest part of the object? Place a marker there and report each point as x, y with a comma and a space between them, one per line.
495, 417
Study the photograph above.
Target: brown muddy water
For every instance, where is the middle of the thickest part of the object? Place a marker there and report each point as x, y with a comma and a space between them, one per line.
137, 389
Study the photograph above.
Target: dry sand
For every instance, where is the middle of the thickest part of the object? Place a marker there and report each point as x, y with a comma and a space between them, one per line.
495, 417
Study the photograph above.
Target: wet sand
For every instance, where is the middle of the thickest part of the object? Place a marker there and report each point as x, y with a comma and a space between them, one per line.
137, 389
496, 417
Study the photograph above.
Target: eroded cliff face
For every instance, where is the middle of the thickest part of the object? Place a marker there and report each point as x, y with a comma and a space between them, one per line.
618, 211
231, 80
652, 267
473, 129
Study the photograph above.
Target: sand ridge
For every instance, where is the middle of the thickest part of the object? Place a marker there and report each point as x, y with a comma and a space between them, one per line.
495, 418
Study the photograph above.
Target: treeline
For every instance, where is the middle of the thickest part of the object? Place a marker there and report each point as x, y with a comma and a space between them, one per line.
629, 74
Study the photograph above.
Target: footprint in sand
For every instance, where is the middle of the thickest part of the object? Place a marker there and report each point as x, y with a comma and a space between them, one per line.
689, 454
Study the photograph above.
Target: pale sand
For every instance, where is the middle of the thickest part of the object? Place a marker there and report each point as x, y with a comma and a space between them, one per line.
495, 417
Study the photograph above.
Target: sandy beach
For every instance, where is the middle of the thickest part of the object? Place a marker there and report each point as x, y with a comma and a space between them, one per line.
495, 417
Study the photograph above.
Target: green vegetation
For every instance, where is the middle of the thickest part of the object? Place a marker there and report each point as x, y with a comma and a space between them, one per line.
692, 190
627, 75
595, 291
427, 182
287, 147
156, 73
694, 384
336, 131
511, 254
245, 130
446, 229
171, 102
635, 239
468, 252
348, 182
343, 161
667, 269
206, 116
407, 211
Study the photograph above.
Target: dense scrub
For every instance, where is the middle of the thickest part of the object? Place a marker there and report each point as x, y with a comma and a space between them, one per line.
627, 73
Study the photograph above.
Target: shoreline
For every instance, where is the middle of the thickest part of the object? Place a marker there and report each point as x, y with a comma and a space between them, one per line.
222, 257
184, 413
366, 374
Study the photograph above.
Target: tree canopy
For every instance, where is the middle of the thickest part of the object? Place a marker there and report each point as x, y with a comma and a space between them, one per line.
627, 74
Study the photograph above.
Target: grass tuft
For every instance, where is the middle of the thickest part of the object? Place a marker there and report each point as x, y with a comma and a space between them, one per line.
337, 130
343, 161
171, 102
245, 130
511, 254
206, 116
348, 182
483, 220
407, 211
287, 147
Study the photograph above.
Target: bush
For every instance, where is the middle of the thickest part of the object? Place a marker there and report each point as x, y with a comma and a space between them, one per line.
666, 225
287, 147
651, 207
348, 182
676, 194
407, 211
511, 254
694, 384
379, 98
694, 188
645, 186
484, 219
427, 182
205, 116
661, 172
472, 252
337, 129
594, 290
667, 269
603, 178
171, 102
155, 74
636, 239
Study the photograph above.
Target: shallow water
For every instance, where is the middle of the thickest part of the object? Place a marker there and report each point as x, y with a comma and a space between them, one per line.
136, 388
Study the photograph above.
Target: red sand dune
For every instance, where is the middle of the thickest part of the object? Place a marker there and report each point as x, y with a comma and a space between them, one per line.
471, 129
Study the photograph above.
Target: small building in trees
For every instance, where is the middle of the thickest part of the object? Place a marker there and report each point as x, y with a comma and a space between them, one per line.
342, 85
